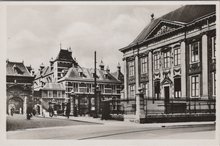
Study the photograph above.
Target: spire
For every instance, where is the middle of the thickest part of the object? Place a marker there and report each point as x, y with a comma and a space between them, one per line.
101, 65
119, 66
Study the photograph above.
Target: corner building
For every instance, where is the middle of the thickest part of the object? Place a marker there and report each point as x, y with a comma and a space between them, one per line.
174, 57
64, 80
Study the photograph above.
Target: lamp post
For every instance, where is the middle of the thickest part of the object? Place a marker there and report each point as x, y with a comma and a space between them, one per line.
73, 105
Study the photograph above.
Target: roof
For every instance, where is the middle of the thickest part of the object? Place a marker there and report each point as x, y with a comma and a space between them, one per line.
53, 86
45, 71
64, 55
180, 15
86, 74
17, 69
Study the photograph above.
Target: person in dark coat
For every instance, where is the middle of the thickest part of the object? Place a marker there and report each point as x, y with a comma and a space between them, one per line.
29, 112
68, 110
51, 111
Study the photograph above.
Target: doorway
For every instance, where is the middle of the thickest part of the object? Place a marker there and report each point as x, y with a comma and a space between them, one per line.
167, 94
166, 98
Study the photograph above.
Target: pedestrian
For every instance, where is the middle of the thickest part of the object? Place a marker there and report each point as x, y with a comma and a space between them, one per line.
34, 111
50, 111
29, 112
43, 113
68, 110
12, 111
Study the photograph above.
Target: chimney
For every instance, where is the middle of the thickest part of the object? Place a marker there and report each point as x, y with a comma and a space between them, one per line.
70, 51
41, 68
119, 67
101, 65
51, 63
152, 16
107, 69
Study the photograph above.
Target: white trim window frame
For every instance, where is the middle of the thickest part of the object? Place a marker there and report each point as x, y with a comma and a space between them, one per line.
144, 65
131, 68
131, 92
156, 60
177, 56
213, 39
213, 83
166, 58
195, 86
194, 52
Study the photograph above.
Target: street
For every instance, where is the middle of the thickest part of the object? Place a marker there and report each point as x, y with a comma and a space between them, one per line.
115, 130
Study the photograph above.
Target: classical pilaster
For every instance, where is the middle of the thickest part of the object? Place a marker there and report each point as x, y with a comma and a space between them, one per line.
150, 64
137, 82
71, 105
204, 66
125, 79
25, 105
183, 68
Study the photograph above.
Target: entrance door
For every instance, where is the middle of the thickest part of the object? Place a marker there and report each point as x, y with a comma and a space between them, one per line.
167, 98
167, 94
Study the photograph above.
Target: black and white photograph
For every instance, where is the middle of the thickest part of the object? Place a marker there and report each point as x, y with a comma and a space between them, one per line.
110, 71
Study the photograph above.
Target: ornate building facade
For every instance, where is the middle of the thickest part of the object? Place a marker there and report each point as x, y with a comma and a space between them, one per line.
19, 85
174, 57
75, 84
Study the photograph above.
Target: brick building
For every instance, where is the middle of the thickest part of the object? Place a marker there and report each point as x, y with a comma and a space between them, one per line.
66, 81
19, 85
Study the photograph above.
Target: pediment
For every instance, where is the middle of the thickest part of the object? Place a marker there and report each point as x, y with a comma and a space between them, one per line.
163, 27
166, 80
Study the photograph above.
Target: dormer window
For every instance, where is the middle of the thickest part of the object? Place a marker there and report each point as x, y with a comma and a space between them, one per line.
17, 70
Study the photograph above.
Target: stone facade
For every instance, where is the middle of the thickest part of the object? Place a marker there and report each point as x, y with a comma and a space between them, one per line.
77, 84
173, 58
19, 85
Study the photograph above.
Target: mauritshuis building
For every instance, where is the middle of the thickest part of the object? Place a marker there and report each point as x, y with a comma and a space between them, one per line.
174, 57
64, 80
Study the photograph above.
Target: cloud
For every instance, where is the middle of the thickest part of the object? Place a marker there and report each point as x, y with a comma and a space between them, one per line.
34, 32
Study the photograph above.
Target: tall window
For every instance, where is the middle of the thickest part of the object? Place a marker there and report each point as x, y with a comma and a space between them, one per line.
131, 91
213, 46
195, 86
177, 87
213, 83
50, 93
157, 89
145, 89
54, 93
156, 60
195, 52
75, 87
143, 65
176, 56
131, 68
166, 59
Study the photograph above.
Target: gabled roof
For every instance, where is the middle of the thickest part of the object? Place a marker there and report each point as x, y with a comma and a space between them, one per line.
17, 69
184, 15
87, 75
45, 71
64, 55
53, 86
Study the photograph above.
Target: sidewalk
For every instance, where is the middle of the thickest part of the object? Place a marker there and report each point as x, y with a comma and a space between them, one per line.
120, 123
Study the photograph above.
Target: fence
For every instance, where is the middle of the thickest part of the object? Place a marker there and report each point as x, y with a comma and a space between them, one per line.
161, 106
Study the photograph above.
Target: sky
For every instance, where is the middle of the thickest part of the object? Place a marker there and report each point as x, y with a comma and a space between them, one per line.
35, 32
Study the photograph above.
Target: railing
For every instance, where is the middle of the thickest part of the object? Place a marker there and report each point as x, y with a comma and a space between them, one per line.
164, 106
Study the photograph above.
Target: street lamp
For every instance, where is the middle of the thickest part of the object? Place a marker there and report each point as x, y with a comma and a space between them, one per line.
74, 109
